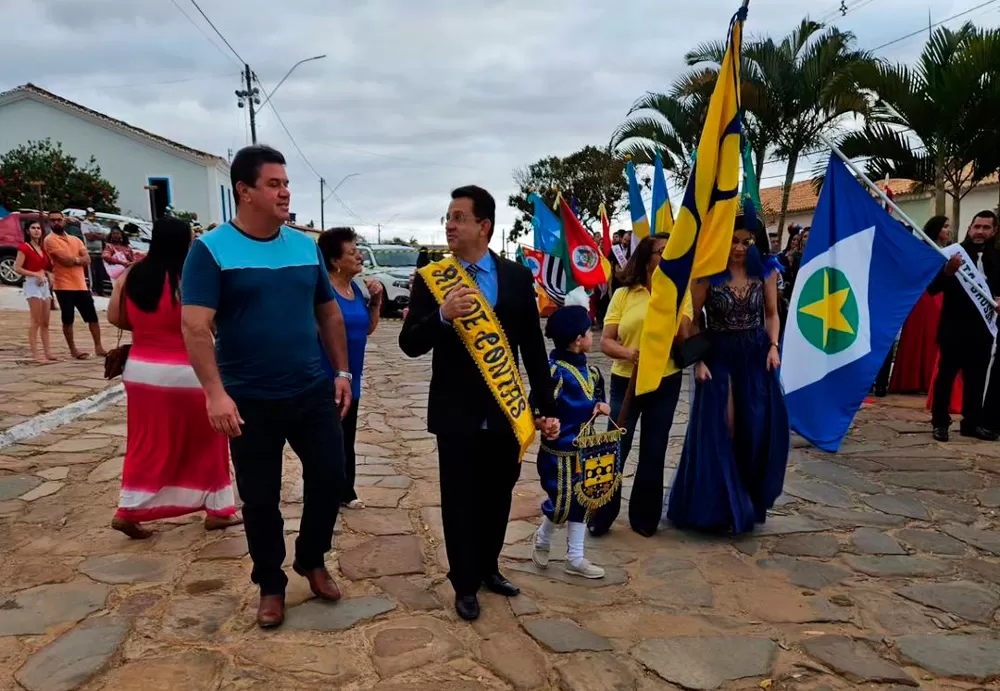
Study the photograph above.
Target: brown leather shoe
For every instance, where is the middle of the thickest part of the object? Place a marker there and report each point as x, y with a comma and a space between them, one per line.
320, 582
271, 611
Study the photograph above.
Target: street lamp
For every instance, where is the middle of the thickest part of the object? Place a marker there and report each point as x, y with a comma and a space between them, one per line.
251, 95
324, 197
287, 74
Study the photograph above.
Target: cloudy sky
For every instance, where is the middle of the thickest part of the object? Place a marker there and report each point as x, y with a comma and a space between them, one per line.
413, 98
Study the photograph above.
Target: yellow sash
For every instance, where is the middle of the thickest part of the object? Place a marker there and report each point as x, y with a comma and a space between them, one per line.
486, 342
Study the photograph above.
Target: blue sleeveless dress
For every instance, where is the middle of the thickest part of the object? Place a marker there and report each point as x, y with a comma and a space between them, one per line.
725, 484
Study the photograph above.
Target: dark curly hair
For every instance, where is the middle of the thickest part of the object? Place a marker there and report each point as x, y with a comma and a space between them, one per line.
331, 244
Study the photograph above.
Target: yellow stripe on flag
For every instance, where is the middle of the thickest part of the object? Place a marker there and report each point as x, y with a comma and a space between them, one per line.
700, 241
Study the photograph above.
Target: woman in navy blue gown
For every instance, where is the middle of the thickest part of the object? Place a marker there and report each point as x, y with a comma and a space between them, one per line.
733, 464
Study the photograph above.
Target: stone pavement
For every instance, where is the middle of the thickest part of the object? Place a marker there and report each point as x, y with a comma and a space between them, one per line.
879, 569
28, 388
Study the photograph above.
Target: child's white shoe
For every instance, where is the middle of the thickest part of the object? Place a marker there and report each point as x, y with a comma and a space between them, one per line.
539, 553
584, 569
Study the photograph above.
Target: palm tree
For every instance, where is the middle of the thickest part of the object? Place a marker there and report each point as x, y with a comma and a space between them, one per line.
932, 123
808, 83
668, 123
794, 91
985, 51
760, 116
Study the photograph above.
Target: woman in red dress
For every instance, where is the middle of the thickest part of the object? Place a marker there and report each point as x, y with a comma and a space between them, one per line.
917, 352
175, 463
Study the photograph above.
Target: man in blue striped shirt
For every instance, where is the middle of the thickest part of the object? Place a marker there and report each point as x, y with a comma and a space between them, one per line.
253, 292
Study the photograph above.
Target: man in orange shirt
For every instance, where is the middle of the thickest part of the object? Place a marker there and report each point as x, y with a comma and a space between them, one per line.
69, 257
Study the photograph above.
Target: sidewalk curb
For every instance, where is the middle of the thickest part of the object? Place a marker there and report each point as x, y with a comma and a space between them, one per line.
61, 416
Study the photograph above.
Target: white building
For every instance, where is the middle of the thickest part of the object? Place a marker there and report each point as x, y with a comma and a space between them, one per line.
918, 205
130, 158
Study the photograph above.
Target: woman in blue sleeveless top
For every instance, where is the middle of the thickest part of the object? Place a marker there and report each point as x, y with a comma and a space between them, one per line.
339, 247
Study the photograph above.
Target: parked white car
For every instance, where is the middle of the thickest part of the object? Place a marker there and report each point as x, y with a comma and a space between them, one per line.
107, 220
392, 266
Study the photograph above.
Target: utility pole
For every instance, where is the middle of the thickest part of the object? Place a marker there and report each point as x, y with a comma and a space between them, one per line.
379, 227
322, 222
251, 97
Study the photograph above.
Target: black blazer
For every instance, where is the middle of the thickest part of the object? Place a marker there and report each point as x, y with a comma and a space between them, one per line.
961, 325
459, 399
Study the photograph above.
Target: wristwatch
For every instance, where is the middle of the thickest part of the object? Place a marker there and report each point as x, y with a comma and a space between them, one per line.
341, 374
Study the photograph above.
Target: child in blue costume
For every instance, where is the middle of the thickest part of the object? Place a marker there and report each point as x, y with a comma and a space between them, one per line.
579, 392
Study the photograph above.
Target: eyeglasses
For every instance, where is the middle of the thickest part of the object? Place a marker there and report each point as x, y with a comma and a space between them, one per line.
461, 217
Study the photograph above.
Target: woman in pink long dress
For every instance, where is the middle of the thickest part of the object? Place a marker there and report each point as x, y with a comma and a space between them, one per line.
175, 463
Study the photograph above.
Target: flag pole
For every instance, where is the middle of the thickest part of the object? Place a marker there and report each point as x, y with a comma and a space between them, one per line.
918, 231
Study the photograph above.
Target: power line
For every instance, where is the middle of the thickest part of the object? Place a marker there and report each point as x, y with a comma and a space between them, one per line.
216, 30
200, 30
302, 154
931, 26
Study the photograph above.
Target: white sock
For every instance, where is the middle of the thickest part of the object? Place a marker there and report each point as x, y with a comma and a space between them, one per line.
543, 538
574, 542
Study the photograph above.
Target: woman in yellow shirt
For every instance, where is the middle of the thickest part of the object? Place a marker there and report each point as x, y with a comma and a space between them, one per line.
620, 341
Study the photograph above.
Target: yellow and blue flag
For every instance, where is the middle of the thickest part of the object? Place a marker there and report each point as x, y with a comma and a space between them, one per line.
636, 207
703, 232
663, 215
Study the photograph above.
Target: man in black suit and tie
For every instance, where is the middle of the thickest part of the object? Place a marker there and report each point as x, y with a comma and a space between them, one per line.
478, 451
964, 340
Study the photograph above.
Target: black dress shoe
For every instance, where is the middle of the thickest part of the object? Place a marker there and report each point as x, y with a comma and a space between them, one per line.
501, 586
881, 391
940, 434
467, 607
978, 433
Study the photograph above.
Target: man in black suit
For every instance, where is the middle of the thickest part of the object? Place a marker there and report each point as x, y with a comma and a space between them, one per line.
478, 453
963, 338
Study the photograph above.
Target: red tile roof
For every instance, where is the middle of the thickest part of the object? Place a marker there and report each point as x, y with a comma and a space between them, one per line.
803, 196
42, 94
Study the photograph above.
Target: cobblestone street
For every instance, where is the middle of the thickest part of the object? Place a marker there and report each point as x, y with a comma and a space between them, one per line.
880, 568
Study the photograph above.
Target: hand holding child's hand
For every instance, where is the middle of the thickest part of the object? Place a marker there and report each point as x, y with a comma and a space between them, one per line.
602, 409
549, 427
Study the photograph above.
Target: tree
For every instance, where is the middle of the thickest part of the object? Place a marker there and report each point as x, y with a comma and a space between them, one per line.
985, 51
589, 177
808, 86
668, 123
761, 117
412, 242
793, 91
933, 123
189, 216
67, 183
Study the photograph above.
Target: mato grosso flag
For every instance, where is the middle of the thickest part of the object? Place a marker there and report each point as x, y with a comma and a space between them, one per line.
861, 274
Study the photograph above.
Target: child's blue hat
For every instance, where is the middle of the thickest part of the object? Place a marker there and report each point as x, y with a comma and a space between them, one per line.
566, 324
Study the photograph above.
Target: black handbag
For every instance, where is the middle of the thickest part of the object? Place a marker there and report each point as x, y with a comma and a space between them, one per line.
691, 350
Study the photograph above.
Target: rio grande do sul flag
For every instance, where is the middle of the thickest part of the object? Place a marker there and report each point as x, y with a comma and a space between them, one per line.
590, 267
861, 274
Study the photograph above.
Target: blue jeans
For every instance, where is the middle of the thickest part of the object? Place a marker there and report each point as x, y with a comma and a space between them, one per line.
646, 501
